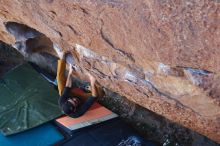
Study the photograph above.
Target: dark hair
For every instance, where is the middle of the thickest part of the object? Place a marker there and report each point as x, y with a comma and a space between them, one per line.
68, 108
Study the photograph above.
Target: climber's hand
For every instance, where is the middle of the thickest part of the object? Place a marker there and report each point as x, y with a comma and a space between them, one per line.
64, 55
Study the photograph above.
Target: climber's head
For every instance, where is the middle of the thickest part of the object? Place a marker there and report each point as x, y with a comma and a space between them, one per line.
70, 106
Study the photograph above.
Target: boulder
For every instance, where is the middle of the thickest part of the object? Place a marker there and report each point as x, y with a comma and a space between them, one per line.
162, 55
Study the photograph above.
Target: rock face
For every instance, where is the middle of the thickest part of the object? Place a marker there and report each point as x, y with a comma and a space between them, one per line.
162, 55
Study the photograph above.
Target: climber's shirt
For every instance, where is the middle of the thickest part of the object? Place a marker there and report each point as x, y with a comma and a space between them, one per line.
84, 104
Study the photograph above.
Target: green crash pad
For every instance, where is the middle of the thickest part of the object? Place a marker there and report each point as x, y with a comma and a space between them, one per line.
26, 100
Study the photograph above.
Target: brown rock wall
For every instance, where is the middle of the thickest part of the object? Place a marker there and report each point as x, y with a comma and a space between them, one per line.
163, 55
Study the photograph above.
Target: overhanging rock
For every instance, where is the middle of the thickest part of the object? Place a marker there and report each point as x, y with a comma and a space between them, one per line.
162, 55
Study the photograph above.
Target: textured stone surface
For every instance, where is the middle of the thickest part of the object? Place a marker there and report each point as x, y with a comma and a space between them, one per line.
163, 55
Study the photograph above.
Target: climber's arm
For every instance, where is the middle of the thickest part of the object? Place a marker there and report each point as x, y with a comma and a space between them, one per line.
96, 90
74, 71
69, 79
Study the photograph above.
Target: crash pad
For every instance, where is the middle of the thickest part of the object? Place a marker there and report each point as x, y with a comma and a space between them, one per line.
114, 132
96, 114
26, 100
43, 135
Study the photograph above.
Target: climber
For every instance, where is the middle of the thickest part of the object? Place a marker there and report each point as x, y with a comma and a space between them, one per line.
74, 101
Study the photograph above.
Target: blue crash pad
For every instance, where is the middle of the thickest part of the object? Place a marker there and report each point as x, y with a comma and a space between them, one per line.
43, 135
